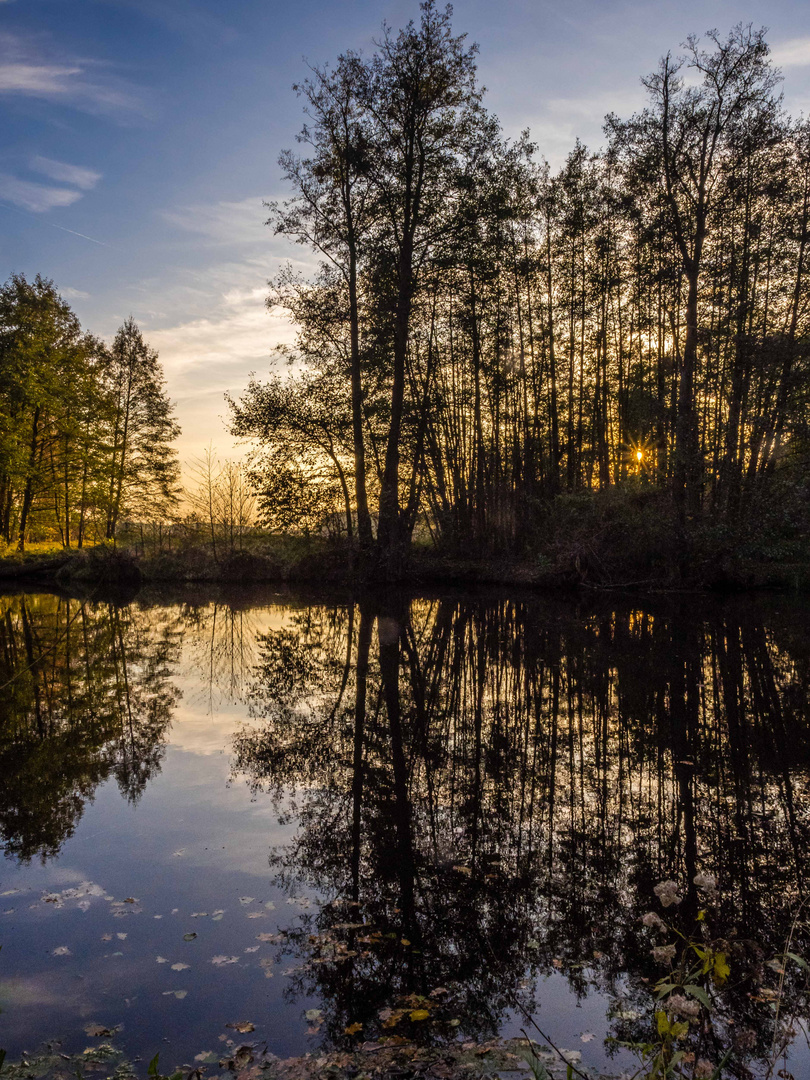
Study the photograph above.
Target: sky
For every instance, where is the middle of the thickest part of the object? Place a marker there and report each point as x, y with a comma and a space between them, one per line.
140, 139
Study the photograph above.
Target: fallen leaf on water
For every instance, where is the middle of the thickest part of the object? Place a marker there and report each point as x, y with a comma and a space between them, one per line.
419, 1014
242, 1026
246, 899
208, 1057
62, 950
106, 937
121, 937
179, 852
161, 959
180, 967
352, 1029
199, 914
253, 948
587, 1037
220, 960
216, 918
270, 905
189, 937
257, 914
179, 994
313, 1014
96, 1031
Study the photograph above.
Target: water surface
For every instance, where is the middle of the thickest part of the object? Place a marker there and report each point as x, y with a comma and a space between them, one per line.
355, 805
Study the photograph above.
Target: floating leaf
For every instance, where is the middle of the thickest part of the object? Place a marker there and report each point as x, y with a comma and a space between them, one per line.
221, 960
97, 1031
62, 950
313, 1014
244, 1027
189, 937
180, 967
199, 914
106, 937
246, 899
270, 905
179, 994
587, 1037
252, 948
161, 959
121, 937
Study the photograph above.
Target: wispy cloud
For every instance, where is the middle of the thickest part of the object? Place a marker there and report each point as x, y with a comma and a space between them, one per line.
33, 196
792, 53
74, 294
33, 69
77, 175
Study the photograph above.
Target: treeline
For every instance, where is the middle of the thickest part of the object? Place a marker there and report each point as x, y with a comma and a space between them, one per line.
485, 335
85, 427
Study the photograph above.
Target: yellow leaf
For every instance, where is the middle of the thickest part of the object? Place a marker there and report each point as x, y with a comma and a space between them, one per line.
352, 1029
721, 969
662, 1020
404, 941
420, 1014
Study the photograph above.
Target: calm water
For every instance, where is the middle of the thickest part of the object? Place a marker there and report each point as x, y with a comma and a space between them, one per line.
347, 804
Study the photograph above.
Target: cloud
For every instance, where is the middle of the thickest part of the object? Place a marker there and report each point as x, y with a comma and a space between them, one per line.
240, 222
77, 175
33, 196
29, 70
792, 53
75, 294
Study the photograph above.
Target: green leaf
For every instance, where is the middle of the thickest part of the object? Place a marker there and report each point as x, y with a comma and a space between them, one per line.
153, 1066
798, 960
662, 1021
699, 993
666, 988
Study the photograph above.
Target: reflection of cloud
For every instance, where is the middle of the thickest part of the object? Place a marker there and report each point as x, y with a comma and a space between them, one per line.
792, 53
26, 69
77, 175
33, 196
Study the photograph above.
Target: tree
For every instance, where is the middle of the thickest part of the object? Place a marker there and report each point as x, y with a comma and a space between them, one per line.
143, 467
678, 144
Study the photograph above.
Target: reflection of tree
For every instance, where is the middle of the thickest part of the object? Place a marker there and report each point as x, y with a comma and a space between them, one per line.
86, 696
501, 785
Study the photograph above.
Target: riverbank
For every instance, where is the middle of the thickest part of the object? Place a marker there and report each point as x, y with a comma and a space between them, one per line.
295, 561
506, 1059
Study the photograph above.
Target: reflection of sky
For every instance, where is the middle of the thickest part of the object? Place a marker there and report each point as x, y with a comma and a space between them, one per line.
153, 129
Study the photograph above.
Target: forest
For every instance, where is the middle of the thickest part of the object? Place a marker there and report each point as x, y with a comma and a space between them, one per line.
490, 346
85, 428
601, 370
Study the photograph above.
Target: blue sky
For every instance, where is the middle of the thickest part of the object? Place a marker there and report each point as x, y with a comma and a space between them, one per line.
153, 127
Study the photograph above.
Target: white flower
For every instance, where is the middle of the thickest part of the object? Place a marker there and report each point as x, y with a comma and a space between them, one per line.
679, 1005
706, 882
654, 921
663, 954
667, 893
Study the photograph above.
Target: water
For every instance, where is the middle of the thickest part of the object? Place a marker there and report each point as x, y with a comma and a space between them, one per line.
459, 804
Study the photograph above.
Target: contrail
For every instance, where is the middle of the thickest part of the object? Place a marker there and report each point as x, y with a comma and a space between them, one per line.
62, 228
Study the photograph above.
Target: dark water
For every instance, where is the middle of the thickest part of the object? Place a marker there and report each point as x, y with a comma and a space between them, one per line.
350, 804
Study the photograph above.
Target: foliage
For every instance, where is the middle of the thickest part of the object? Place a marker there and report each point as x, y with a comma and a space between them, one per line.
85, 430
